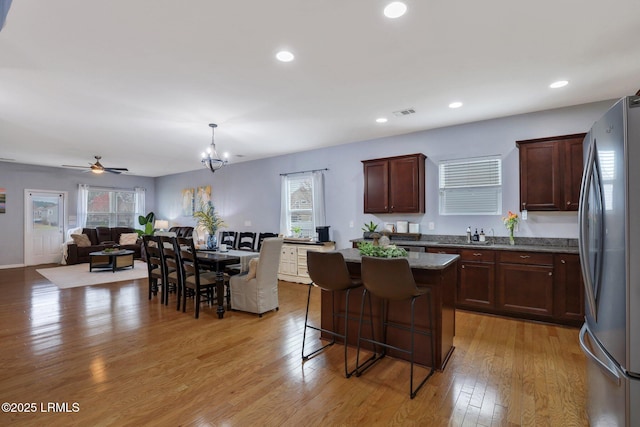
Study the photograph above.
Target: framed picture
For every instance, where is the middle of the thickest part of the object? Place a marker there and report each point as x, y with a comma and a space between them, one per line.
203, 195
187, 202
3, 200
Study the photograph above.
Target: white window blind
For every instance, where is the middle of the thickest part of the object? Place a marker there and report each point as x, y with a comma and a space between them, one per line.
302, 202
471, 186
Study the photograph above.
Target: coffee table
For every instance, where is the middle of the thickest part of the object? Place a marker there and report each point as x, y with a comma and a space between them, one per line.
113, 260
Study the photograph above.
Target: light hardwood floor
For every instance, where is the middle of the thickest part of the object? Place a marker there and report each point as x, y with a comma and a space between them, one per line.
126, 360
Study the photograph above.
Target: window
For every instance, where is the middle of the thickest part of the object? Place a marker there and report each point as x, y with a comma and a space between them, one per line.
111, 208
302, 203
471, 186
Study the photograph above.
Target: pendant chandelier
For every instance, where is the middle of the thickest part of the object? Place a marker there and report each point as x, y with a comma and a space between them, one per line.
210, 158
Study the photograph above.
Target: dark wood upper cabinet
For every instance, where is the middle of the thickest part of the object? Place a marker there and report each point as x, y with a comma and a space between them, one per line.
394, 184
550, 173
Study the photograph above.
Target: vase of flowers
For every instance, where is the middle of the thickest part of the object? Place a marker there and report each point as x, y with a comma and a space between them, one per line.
510, 221
208, 219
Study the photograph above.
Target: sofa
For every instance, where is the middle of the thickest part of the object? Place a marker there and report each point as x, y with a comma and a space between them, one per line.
100, 238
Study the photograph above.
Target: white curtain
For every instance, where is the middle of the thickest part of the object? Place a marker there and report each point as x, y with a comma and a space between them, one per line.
140, 197
284, 198
318, 199
83, 201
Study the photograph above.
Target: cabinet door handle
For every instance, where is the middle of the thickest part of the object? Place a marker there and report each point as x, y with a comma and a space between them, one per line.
525, 256
563, 261
568, 202
463, 266
550, 273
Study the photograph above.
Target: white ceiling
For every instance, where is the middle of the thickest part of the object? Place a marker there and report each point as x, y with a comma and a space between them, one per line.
138, 81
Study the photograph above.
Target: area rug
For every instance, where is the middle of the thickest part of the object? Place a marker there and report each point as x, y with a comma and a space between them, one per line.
71, 276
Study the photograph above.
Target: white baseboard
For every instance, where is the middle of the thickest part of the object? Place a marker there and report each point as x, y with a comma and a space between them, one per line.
11, 266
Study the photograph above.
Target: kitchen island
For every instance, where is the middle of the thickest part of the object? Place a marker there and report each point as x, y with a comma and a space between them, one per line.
439, 272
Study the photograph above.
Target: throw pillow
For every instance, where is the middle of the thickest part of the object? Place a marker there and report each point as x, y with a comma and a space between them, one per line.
82, 240
253, 267
128, 238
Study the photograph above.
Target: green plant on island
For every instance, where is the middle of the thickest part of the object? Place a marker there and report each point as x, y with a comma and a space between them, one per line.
296, 230
147, 223
370, 228
369, 249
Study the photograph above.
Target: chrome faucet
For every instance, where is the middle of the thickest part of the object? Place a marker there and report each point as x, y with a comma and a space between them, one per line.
493, 237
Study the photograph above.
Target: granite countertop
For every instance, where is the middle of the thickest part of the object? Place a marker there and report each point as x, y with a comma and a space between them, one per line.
529, 244
420, 260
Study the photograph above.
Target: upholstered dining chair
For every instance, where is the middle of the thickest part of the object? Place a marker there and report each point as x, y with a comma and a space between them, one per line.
154, 265
391, 279
199, 281
257, 290
328, 271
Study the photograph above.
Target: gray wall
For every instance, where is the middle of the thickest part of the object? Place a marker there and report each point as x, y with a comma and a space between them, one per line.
15, 178
247, 194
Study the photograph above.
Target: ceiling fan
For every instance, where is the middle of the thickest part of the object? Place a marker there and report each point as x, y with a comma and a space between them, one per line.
98, 168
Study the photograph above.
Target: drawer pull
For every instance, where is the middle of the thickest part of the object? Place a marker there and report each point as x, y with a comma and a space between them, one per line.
477, 254
563, 261
525, 256
463, 266
550, 273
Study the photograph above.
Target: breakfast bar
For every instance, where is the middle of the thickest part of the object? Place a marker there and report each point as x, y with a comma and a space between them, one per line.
439, 272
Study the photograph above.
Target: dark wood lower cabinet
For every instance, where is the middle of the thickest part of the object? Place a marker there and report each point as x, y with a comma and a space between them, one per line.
526, 289
568, 288
531, 285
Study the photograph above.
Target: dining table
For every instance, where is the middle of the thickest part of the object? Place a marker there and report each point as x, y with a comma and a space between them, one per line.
217, 261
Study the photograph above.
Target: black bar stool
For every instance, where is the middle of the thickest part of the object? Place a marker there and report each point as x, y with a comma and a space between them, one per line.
328, 271
391, 279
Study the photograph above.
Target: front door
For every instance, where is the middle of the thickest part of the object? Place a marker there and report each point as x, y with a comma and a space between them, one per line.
44, 226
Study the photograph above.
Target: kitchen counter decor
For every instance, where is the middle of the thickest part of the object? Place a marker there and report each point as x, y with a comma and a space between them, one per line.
510, 221
391, 251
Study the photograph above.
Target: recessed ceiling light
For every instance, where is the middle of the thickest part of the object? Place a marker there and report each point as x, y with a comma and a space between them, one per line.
285, 56
456, 104
395, 9
559, 83
381, 120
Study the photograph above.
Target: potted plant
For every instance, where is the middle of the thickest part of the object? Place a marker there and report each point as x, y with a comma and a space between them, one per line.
296, 230
147, 223
369, 229
208, 219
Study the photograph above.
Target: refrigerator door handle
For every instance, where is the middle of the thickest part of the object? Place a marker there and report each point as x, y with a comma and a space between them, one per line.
612, 374
582, 227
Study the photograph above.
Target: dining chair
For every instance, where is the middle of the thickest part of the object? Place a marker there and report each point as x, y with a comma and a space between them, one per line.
328, 271
199, 281
263, 236
246, 241
173, 266
228, 238
154, 265
259, 294
390, 280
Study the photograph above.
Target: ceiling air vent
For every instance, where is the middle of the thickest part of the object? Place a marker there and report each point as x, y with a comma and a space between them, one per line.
404, 112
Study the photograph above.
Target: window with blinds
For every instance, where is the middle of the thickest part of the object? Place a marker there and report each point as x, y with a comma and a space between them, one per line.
471, 186
300, 203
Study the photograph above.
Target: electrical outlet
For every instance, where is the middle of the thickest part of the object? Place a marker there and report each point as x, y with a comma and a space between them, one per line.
350, 224
247, 223
432, 226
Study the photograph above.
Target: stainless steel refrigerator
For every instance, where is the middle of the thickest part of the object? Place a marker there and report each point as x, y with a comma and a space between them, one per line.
609, 224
